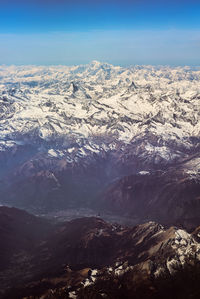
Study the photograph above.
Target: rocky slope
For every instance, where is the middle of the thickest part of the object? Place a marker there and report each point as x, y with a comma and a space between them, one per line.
66, 133
73, 255
169, 197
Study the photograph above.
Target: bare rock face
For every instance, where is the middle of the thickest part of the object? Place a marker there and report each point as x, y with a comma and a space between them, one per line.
122, 141
72, 255
170, 196
89, 125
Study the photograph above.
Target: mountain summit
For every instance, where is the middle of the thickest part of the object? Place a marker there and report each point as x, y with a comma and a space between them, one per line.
67, 134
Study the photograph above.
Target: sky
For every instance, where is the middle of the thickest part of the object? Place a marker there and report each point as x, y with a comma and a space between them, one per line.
121, 32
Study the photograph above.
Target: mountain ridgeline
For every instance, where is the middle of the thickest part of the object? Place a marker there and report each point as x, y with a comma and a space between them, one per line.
108, 158
102, 137
90, 258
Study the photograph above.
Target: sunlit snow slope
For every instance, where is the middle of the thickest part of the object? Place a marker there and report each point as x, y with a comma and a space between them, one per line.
87, 125
44, 103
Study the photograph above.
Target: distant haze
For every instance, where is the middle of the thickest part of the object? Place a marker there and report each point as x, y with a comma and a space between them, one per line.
119, 32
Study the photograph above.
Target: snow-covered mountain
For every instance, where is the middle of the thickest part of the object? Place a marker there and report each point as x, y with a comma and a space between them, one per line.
65, 131
58, 103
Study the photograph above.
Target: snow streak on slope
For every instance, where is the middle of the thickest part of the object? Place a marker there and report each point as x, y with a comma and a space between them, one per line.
44, 104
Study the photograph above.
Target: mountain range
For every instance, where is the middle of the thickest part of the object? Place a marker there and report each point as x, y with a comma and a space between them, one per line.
99, 182
90, 257
70, 135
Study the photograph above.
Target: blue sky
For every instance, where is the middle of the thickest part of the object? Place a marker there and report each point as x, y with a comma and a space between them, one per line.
119, 32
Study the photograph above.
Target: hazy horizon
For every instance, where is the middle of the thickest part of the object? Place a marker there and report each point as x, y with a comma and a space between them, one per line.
192, 67
118, 32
